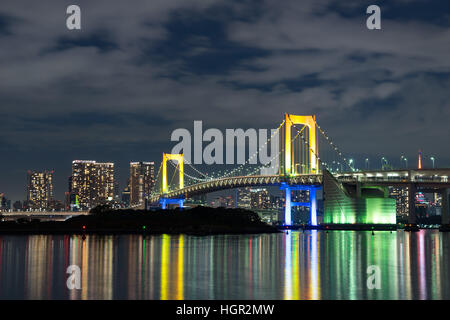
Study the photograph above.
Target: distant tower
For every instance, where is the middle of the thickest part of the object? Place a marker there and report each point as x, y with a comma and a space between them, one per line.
420, 160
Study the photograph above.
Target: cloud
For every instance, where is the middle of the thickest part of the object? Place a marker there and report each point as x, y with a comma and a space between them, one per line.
116, 89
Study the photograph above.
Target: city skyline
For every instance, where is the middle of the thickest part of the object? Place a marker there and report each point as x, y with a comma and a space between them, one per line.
125, 180
114, 91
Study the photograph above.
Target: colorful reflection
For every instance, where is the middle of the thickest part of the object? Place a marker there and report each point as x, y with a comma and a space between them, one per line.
294, 266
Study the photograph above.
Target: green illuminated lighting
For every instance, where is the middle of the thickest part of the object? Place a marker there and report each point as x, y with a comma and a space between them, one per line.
362, 211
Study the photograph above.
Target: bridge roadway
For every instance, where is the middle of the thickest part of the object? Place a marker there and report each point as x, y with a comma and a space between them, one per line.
425, 180
239, 182
42, 214
429, 179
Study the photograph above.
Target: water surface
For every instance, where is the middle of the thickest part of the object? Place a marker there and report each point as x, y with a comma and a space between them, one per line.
298, 265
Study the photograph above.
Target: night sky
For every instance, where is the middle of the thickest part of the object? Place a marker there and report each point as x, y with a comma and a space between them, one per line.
139, 69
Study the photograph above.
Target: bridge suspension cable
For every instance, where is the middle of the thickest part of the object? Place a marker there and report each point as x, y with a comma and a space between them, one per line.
188, 175
256, 153
300, 133
195, 169
260, 167
174, 172
333, 145
155, 190
321, 161
248, 160
241, 167
208, 178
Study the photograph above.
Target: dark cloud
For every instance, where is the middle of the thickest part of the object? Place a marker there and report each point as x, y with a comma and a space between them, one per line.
5, 23
115, 90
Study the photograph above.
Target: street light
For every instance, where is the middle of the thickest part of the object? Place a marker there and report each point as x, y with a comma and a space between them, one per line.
350, 162
367, 163
406, 161
432, 159
383, 160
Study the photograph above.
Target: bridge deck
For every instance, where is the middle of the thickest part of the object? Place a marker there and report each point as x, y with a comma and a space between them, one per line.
431, 179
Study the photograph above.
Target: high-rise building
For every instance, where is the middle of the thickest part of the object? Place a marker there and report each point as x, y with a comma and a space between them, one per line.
67, 201
260, 198
142, 181
223, 201
5, 204
2, 199
276, 202
401, 196
17, 206
116, 191
39, 190
196, 200
244, 199
126, 196
92, 183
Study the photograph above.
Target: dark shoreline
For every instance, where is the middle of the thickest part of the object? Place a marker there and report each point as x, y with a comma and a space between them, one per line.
198, 221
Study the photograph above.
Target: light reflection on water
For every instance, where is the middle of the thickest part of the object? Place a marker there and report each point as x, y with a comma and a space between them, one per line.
298, 265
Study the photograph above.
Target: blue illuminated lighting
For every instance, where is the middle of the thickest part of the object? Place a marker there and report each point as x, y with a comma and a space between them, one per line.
312, 204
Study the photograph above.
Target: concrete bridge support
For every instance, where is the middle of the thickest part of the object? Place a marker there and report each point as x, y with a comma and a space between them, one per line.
412, 203
165, 201
445, 205
313, 206
288, 204
358, 189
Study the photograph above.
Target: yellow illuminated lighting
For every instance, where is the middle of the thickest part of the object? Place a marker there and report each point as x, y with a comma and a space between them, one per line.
165, 253
315, 266
295, 267
308, 121
84, 270
288, 268
419, 166
180, 271
179, 159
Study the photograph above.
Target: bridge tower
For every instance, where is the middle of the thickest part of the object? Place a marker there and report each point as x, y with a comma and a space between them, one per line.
289, 167
310, 123
165, 188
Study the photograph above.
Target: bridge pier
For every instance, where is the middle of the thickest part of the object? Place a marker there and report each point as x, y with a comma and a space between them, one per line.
445, 204
287, 206
313, 206
412, 203
358, 189
288, 203
166, 201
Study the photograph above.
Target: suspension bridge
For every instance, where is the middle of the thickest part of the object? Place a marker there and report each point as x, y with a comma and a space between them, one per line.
349, 196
